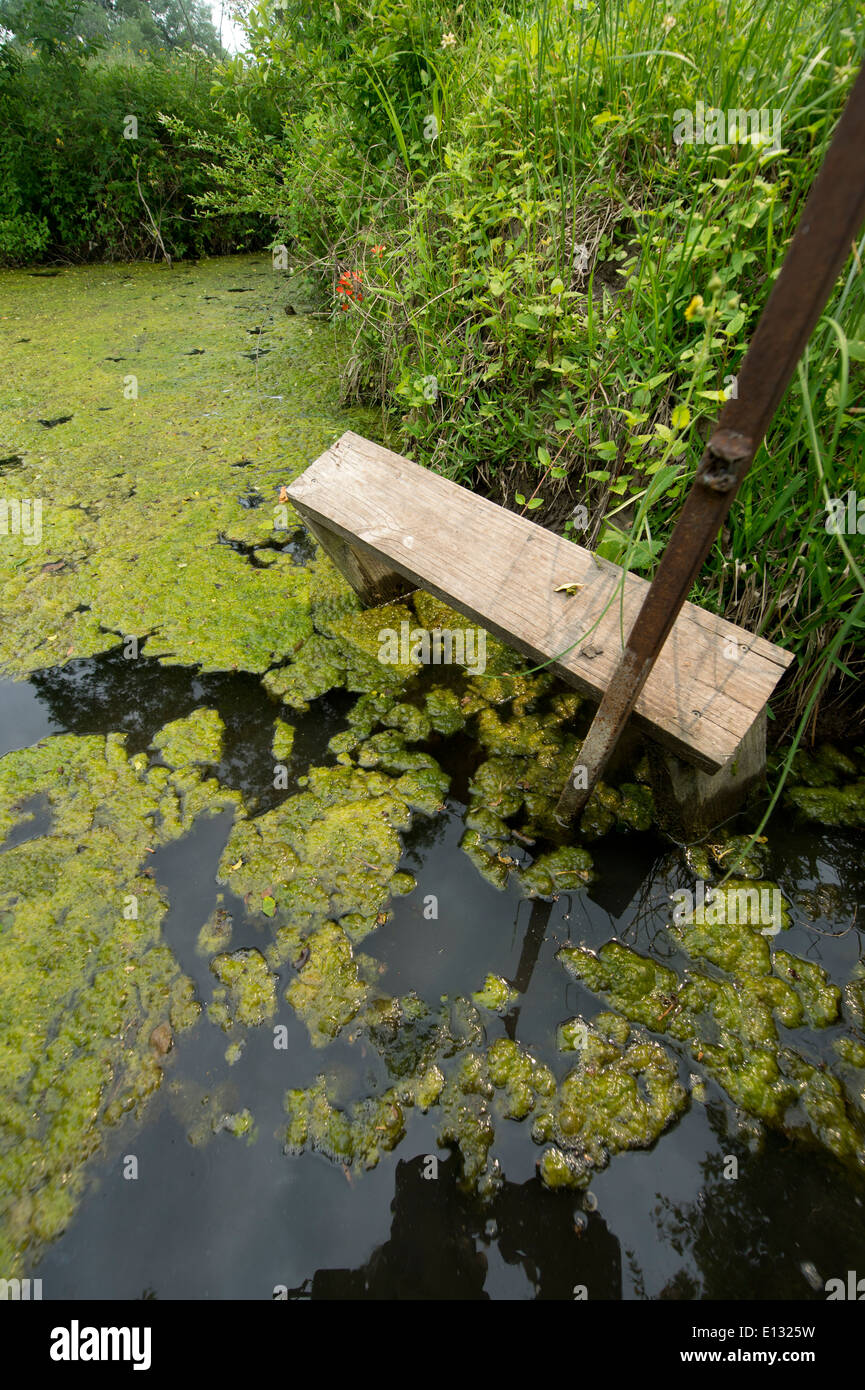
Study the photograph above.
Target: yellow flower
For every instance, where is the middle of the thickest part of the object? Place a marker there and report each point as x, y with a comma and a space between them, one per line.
694, 307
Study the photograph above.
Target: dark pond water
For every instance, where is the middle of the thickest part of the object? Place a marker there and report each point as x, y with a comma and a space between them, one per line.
224, 1219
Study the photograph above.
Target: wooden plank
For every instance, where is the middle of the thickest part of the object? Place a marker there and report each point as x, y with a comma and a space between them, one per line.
502, 571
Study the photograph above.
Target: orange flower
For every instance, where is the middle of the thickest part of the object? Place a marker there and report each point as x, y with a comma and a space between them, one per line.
377, 250
348, 285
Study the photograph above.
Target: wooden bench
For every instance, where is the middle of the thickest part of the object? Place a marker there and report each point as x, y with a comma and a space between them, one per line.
391, 526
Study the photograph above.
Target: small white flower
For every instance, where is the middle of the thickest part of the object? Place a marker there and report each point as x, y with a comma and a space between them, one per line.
669, 22
449, 40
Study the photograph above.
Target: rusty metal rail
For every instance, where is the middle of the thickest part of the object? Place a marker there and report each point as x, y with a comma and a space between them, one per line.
830, 221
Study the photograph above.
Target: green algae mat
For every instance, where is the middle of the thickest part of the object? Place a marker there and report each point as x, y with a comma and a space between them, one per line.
159, 484
156, 415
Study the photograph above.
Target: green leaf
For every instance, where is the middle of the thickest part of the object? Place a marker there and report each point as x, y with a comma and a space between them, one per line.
735, 324
268, 906
681, 417
529, 321
518, 497
558, 286
536, 502
543, 457
655, 381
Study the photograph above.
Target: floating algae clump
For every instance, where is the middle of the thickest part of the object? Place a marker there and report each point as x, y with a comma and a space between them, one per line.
831, 788
361, 1135
839, 806
532, 748
854, 996
730, 1025
330, 851
520, 1078
623, 1095
820, 1001
496, 995
215, 934
248, 992
444, 711
345, 647
560, 871
241, 1125
329, 991
283, 740
195, 739
86, 987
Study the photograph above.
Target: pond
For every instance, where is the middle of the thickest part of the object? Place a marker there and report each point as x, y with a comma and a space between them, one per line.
298, 997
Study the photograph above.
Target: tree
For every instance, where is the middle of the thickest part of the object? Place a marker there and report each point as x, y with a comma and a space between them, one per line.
70, 27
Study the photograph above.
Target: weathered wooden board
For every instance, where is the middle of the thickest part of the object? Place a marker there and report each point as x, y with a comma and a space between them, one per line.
502, 571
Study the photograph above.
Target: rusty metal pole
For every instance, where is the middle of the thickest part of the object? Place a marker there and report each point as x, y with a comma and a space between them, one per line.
830, 221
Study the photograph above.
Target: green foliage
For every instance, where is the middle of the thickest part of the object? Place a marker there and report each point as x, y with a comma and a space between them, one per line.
73, 183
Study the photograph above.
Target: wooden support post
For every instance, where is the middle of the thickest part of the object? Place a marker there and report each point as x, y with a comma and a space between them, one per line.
690, 802
374, 582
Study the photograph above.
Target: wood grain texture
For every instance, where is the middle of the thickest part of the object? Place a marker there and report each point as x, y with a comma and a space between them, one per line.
502, 572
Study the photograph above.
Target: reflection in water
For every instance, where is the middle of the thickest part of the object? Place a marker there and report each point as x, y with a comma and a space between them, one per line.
138, 697
441, 1246
757, 1222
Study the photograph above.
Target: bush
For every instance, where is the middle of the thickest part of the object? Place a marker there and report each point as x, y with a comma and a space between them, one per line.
73, 185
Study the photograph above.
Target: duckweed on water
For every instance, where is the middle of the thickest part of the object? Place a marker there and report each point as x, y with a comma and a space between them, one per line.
142, 497
85, 983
